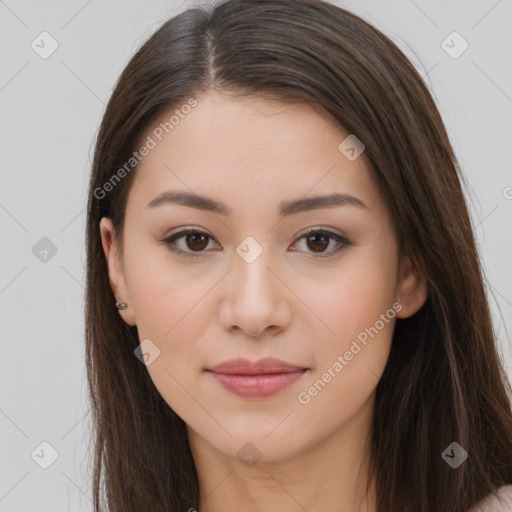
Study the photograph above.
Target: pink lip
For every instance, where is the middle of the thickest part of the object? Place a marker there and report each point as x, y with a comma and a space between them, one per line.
258, 379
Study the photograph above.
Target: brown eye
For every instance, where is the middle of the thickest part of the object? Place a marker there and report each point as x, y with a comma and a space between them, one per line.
189, 242
318, 242
196, 241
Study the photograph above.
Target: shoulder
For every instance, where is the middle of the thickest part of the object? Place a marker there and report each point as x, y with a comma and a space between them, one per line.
499, 501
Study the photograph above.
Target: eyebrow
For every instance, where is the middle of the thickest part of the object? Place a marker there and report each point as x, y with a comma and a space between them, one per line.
285, 208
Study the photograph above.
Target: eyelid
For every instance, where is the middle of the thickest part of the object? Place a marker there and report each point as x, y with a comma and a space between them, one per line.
183, 230
322, 229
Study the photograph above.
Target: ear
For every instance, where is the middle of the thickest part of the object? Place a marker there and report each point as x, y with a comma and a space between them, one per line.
412, 287
116, 273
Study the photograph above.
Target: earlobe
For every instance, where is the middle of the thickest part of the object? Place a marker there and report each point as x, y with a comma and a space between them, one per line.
412, 289
116, 273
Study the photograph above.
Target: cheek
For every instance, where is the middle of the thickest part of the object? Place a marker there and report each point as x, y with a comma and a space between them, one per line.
354, 298
164, 294
172, 310
352, 354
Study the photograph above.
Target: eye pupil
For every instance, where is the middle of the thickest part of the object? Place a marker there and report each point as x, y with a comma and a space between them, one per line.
321, 238
192, 239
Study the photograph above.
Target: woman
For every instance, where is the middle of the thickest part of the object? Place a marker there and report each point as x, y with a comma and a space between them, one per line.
285, 306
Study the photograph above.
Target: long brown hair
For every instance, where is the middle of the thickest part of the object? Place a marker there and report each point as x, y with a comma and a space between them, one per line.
443, 381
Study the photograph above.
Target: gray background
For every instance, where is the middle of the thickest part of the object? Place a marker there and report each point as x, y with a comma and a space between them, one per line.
50, 112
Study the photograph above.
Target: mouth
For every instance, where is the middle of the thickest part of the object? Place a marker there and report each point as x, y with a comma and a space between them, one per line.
259, 379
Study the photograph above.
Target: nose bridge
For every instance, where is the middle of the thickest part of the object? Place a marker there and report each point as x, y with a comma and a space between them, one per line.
252, 267
255, 300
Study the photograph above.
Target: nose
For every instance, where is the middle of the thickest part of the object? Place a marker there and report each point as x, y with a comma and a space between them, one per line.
255, 299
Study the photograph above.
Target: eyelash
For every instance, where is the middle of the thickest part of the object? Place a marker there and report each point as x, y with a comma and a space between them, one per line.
180, 234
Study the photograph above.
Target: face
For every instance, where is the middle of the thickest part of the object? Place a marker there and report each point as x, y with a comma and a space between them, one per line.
265, 271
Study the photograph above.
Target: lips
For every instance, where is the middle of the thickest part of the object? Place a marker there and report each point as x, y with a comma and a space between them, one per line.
266, 365
259, 379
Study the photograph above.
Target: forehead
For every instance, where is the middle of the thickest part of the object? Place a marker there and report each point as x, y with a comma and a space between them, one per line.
249, 149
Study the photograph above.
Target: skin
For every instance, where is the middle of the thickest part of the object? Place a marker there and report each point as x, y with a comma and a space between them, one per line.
290, 303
